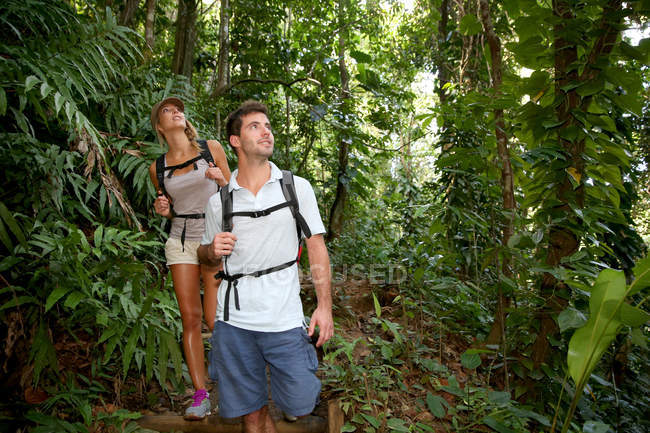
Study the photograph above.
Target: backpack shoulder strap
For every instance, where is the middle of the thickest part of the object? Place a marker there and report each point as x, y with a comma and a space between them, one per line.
226, 209
289, 191
205, 152
160, 173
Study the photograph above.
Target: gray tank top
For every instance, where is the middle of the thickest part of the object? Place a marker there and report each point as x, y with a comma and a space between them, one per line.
190, 193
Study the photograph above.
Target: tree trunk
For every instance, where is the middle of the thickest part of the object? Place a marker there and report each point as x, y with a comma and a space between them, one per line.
497, 333
223, 69
340, 199
128, 12
149, 26
224, 49
287, 96
441, 60
185, 38
562, 240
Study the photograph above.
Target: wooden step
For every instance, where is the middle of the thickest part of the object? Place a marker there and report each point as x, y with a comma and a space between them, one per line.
216, 424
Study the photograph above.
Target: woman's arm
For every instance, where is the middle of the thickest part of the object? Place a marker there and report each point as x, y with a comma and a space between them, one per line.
219, 156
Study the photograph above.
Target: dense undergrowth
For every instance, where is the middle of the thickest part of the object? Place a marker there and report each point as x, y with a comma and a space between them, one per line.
416, 358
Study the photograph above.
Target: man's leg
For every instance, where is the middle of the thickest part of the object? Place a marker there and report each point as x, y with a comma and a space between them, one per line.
293, 363
259, 421
240, 370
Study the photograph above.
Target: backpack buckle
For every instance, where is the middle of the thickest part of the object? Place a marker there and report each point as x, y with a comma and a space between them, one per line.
259, 213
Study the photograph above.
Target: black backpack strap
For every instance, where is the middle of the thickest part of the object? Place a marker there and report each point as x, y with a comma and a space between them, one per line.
172, 168
160, 173
205, 152
259, 213
289, 191
226, 209
226, 225
160, 176
233, 280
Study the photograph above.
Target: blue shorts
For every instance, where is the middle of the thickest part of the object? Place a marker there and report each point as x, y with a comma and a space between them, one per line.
238, 361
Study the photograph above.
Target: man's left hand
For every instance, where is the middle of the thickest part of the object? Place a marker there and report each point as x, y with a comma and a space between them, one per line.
322, 318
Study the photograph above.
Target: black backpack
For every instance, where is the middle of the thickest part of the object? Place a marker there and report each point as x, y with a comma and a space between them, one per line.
205, 154
289, 191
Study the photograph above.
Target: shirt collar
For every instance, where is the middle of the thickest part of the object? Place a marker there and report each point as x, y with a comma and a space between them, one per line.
276, 174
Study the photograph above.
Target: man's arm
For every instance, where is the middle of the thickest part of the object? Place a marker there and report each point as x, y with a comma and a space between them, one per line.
320, 271
222, 245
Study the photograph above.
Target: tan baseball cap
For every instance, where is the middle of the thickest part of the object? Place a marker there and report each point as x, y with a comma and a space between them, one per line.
155, 110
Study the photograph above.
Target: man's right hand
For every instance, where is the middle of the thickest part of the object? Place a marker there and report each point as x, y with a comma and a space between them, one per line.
221, 245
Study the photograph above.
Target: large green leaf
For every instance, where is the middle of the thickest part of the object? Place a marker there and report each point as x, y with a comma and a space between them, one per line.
607, 313
589, 342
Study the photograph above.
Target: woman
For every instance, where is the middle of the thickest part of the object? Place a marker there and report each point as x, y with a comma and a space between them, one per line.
188, 181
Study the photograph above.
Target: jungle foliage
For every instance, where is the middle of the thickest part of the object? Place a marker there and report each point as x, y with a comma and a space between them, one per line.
496, 153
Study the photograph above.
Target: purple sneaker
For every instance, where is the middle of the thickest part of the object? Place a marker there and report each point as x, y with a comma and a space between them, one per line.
200, 408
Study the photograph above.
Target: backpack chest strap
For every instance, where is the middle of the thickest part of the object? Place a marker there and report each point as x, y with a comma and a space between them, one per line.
258, 213
234, 279
172, 168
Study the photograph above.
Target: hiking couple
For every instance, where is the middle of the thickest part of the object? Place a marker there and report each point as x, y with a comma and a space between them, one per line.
246, 229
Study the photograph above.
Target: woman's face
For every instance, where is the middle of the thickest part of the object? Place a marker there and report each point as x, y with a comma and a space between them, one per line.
170, 117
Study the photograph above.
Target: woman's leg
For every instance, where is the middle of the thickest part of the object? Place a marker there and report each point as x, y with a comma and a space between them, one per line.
186, 286
210, 288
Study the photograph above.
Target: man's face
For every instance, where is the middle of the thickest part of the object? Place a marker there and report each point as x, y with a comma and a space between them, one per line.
256, 137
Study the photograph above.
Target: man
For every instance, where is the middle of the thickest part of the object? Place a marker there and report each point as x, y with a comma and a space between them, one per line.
260, 317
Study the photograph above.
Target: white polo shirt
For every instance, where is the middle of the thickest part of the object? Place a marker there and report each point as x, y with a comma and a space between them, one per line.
269, 303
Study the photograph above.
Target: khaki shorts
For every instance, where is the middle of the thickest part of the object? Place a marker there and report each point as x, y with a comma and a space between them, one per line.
175, 254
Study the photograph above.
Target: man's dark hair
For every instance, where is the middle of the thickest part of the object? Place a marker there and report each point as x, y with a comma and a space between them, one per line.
234, 122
